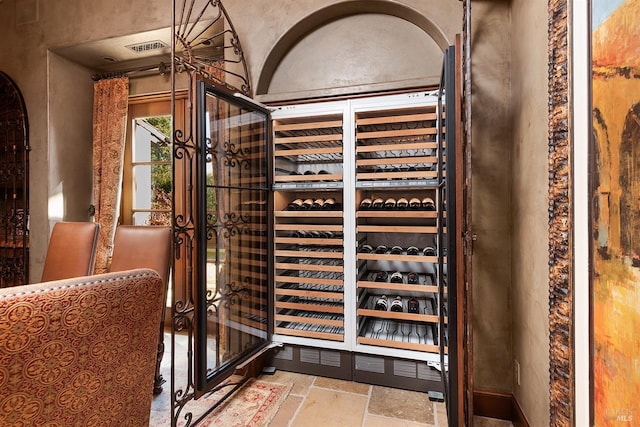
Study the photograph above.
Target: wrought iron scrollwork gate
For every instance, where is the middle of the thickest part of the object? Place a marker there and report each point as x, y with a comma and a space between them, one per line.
220, 296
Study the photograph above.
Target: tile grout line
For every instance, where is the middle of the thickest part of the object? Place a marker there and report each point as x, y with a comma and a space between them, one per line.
304, 398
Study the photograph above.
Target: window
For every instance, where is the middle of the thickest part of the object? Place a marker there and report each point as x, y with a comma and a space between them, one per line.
151, 171
147, 176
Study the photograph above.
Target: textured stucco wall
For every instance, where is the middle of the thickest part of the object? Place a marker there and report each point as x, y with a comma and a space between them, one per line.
491, 186
29, 29
529, 214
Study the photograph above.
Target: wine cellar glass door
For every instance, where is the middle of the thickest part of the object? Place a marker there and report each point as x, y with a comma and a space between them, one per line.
450, 236
234, 248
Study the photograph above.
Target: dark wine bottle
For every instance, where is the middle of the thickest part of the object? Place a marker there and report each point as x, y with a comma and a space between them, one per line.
307, 204
381, 276
365, 204
329, 204
413, 278
365, 249
413, 306
415, 203
318, 203
381, 303
428, 204
295, 205
412, 250
390, 203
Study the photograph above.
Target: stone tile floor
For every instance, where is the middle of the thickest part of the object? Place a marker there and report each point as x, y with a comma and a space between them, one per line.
317, 401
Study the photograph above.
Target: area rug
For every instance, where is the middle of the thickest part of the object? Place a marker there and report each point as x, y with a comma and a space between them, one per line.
252, 405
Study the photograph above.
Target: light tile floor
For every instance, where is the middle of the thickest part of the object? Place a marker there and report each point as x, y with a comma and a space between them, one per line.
318, 401
315, 401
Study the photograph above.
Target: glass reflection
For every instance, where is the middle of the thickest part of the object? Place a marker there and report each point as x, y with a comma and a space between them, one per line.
236, 230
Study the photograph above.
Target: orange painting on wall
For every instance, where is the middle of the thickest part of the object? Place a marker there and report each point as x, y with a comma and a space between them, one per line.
616, 211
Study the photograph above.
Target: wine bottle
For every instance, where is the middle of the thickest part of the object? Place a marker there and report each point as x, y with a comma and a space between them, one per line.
428, 204
377, 203
381, 249
365, 204
390, 203
429, 251
307, 204
381, 276
402, 203
329, 204
396, 277
413, 306
413, 278
396, 305
412, 250
415, 203
318, 203
295, 205
365, 249
382, 303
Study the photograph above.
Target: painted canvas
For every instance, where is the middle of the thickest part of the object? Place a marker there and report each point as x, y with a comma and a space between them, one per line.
616, 211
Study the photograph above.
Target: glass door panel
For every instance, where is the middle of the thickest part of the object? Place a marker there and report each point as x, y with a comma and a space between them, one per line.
233, 239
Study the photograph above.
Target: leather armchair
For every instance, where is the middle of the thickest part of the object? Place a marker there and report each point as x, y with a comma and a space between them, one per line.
80, 351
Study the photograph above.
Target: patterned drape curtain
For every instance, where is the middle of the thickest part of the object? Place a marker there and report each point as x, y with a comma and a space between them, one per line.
110, 104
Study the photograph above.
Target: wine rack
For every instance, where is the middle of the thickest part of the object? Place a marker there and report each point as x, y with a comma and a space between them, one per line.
14, 186
398, 258
381, 162
308, 227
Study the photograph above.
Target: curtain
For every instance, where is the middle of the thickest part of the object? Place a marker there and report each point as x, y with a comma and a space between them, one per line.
110, 104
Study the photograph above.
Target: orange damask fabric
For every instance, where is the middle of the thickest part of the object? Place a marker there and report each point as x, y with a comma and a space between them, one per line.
110, 106
80, 352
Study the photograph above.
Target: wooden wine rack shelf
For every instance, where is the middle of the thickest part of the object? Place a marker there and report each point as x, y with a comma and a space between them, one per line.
394, 153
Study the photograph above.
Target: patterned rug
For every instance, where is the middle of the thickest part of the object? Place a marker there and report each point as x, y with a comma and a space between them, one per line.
254, 405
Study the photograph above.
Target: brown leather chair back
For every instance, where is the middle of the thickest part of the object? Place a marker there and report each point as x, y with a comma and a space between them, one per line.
140, 246
71, 251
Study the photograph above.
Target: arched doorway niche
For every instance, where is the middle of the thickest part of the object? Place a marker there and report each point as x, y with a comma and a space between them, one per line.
354, 47
630, 186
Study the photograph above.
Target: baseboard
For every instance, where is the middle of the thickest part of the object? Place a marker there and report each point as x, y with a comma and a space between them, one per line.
501, 406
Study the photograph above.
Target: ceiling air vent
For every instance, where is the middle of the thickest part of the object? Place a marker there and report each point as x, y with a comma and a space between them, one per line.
147, 46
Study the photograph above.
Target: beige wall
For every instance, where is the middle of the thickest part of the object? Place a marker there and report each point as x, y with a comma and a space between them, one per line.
58, 130
529, 208
492, 189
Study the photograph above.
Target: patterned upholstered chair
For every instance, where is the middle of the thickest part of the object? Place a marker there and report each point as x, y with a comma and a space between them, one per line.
71, 251
81, 351
136, 246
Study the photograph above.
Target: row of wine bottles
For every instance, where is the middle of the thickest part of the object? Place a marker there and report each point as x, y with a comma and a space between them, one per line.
402, 203
397, 250
382, 304
313, 204
378, 203
396, 277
